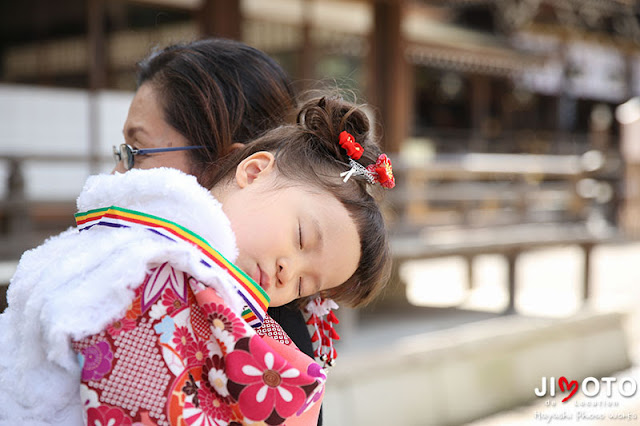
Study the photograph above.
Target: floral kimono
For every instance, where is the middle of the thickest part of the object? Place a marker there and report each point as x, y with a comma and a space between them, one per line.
135, 319
204, 363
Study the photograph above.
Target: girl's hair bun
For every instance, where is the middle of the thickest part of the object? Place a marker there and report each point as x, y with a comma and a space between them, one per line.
323, 119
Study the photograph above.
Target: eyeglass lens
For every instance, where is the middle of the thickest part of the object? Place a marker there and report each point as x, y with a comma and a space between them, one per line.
122, 153
127, 156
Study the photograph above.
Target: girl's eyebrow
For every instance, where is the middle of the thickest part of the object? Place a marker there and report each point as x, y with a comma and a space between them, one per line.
317, 229
319, 237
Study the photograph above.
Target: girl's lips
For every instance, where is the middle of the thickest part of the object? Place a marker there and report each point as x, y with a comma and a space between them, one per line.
256, 275
265, 281
261, 278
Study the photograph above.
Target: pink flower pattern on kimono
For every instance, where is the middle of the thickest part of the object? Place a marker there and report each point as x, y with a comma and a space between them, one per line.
171, 301
196, 352
213, 405
235, 377
97, 361
121, 326
270, 389
107, 416
220, 318
182, 339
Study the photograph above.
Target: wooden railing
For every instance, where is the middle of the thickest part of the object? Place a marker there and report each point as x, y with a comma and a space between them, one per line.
492, 189
25, 222
471, 204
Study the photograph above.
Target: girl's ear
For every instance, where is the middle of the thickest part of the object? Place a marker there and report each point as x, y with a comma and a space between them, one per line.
260, 164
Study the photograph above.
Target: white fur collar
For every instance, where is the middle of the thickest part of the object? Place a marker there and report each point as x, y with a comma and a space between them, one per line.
64, 289
167, 193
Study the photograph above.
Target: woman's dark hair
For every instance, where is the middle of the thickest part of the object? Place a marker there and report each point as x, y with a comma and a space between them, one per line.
216, 92
308, 153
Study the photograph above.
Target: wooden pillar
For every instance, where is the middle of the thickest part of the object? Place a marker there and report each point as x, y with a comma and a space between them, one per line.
97, 54
306, 53
221, 18
512, 261
628, 115
506, 109
96, 44
389, 82
18, 218
586, 277
480, 107
629, 76
565, 103
40, 16
600, 120
469, 270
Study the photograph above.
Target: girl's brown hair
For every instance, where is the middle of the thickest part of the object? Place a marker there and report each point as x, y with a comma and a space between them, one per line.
309, 153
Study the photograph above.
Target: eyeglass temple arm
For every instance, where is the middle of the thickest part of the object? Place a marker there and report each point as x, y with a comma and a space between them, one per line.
174, 148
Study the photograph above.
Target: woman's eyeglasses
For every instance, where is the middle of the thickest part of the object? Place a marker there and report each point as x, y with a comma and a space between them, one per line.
126, 153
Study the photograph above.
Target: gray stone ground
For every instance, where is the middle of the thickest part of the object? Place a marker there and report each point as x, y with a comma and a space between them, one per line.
549, 287
616, 287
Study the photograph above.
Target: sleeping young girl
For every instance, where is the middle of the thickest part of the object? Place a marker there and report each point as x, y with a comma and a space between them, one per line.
152, 311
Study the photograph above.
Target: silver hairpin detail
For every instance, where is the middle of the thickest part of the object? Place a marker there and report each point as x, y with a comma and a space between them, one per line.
357, 169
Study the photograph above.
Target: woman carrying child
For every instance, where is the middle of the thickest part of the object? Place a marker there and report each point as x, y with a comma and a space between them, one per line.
156, 318
215, 94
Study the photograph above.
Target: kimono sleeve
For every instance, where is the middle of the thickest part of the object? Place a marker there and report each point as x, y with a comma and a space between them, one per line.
181, 355
270, 381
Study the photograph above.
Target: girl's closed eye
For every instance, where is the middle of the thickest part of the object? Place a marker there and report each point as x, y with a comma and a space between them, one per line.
300, 235
300, 245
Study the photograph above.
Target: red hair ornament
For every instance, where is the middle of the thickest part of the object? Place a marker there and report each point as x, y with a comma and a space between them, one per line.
381, 172
349, 144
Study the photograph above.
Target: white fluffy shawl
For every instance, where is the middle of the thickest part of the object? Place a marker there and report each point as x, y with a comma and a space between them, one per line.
77, 283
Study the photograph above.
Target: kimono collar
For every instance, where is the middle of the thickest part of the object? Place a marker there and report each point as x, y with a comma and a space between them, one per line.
117, 217
166, 193
120, 199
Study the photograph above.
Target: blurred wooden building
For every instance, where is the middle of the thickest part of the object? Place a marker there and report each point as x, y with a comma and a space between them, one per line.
479, 75
444, 77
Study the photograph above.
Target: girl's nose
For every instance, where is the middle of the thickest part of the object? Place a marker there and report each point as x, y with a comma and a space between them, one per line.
284, 272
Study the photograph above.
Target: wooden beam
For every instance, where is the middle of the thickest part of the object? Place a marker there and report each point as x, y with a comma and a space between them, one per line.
97, 48
96, 44
480, 107
307, 51
389, 80
221, 18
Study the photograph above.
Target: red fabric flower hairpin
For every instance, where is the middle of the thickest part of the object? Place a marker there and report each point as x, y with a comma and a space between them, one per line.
381, 172
349, 144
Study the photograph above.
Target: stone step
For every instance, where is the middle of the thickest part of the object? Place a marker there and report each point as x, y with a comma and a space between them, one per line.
458, 375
